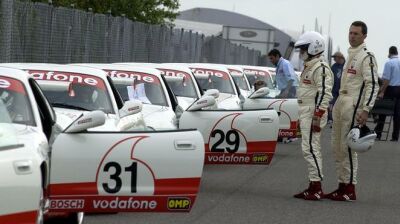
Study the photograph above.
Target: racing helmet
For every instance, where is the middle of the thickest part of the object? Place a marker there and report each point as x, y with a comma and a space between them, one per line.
311, 41
361, 139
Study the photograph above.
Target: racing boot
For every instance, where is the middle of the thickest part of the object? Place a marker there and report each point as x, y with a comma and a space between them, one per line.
348, 194
340, 190
312, 193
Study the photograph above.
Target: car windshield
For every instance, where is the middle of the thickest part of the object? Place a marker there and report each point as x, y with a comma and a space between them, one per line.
256, 75
74, 91
144, 87
184, 88
15, 106
216, 80
239, 79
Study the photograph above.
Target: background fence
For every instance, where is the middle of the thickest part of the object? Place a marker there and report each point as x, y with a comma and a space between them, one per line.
37, 32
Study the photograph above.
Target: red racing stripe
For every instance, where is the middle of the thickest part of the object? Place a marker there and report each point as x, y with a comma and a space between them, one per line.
176, 186
74, 189
19, 218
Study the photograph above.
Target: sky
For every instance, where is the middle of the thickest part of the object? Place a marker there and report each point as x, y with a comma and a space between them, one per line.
382, 18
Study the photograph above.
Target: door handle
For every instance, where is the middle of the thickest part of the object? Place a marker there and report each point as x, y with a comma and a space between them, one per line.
184, 145
23, 167
265, 119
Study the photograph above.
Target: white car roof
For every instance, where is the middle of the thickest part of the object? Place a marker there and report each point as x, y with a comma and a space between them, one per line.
124, 67
14, 73
58, 67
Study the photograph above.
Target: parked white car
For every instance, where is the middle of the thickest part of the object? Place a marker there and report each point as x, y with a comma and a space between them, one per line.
146, 85
90, 171
73, 90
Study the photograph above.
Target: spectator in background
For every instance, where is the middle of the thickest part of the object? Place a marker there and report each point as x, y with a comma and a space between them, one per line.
337, 69
286, 78
390, 89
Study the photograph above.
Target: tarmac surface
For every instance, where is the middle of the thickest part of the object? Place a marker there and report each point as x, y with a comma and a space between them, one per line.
264, 194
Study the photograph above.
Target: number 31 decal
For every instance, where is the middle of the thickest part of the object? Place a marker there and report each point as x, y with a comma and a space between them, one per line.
117, 179
231, 138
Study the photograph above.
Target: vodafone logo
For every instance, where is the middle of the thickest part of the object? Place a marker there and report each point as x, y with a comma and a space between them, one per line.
133, 75
234, 72
255, 72
286, 133
75, 78
4, 84
173, 73
218, 74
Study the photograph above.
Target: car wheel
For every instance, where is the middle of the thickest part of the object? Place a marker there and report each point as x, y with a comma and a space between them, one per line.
75, 218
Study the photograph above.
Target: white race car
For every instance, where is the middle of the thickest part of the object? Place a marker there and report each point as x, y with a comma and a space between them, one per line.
90, 171
146, 85
73, 90
288, 108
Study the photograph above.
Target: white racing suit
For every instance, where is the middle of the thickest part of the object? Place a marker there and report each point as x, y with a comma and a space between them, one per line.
314, 94
358, 90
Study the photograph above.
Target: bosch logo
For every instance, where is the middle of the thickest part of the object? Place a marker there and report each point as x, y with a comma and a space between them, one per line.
64, 77
4, 84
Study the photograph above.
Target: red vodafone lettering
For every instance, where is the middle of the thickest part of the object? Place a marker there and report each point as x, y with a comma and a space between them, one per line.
174, 73
138, 76
12, 84
255, 72
235, 72
203, 71
68, 77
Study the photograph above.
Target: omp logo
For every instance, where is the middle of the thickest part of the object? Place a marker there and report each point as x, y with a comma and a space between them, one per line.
286, 133
4, 84
254, 72
132, 75
64, 77
209, 72
260, 158
67, 204
179, 203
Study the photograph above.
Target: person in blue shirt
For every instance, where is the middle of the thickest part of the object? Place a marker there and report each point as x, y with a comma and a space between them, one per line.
337, 69
390, 89
286, 78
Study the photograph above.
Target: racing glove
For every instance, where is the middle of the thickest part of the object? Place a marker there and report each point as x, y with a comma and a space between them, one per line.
316, 120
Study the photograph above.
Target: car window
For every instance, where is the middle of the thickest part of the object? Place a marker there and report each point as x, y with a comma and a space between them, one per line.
14, 99
185, 88
81, 91
144, 87
253, 76
217, 80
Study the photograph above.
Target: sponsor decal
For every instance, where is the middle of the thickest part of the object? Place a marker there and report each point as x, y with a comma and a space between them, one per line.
351, 71
85, 121
225, 158
234, 72
260, 158
201, 102
174, 73
83, 79
138, 76
306, 81
67, 204
211, 72
287, 133
129, 203
179, 203
255, 72
12, 84
133, 108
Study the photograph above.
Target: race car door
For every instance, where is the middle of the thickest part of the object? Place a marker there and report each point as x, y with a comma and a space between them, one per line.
235, 137
126, 172
288, 113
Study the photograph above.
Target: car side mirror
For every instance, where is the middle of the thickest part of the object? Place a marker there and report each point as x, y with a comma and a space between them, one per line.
90, 120
203, 102
212, 92
263, 91
130, 107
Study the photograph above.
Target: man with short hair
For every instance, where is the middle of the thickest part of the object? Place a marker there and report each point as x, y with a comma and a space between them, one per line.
391, 90
286, 78
337, 70
358, 90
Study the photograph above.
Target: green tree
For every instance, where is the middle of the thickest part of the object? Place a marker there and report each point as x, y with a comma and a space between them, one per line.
147, 11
